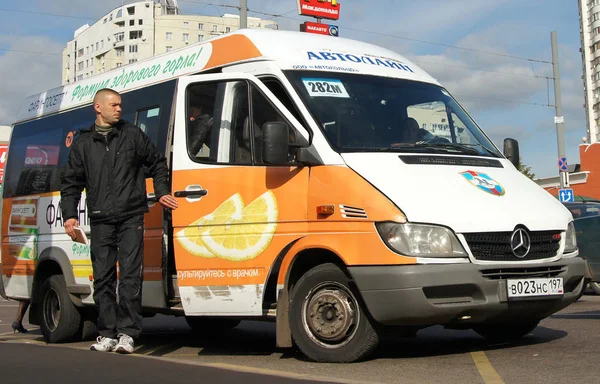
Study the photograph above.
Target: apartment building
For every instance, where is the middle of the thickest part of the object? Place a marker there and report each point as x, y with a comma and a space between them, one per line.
589, 19
138, 31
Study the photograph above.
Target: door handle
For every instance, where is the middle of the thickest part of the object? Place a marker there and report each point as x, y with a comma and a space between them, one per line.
190, 192
151, 199
198, 193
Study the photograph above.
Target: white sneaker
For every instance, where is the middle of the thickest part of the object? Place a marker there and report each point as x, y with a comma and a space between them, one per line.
125, 344
104, 344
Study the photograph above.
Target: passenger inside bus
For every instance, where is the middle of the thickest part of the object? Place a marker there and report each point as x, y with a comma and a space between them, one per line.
200, 125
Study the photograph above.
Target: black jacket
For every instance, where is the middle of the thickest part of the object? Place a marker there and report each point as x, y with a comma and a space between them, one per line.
111, 171
199, 133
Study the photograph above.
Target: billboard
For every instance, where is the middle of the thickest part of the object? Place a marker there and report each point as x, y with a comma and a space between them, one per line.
320, 29
3, 152
322, 9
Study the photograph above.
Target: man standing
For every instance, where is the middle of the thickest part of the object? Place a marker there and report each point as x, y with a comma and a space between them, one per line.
107, 160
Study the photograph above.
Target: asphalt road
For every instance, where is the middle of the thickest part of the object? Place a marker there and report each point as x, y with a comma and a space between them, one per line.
564, 348
22, 363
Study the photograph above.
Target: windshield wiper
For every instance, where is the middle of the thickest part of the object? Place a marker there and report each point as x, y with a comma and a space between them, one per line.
479, 145
449, 148
423, 146
462, 148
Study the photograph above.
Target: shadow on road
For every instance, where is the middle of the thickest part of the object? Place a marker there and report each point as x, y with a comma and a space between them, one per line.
585, 315
258, 339
437, 341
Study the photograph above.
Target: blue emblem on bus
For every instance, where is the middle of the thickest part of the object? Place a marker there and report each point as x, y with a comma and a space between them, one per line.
484, 182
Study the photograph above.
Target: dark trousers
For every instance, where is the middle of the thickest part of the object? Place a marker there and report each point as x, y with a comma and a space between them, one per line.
121, 241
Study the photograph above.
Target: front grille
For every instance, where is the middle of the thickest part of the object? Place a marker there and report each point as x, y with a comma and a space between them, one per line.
495, 246
522, 273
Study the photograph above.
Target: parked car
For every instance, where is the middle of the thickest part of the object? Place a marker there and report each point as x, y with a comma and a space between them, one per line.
587, 227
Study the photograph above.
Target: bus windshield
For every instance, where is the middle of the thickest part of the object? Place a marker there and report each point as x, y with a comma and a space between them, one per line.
364, 113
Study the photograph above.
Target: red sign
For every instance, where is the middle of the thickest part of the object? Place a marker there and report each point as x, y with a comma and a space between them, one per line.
322, 9
319, 29
3, 152
38, 155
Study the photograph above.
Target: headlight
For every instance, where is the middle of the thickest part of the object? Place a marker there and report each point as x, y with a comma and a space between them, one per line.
420, 240
570, 239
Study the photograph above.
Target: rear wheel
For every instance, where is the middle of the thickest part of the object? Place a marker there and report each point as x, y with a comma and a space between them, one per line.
327, 321
595, 287
60, 319
88, 331
504, 332
89, 328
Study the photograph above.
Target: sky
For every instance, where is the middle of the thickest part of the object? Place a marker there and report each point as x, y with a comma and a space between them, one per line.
492, 56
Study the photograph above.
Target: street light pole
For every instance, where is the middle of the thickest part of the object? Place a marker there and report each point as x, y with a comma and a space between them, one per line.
243, 14
559, 119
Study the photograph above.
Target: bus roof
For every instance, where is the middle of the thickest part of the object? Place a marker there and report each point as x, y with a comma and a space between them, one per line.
291, 50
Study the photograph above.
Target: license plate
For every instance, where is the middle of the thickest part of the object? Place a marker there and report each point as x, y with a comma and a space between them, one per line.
535, 287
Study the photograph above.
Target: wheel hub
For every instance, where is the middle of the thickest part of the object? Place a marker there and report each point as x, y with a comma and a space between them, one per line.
51, 307
330, 315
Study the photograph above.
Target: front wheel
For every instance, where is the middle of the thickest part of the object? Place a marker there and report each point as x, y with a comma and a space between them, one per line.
327, 321
595, 287
60, 319
505, 332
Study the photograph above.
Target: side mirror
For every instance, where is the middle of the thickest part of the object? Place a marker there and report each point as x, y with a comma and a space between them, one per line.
299, 142
511, 151
275, 142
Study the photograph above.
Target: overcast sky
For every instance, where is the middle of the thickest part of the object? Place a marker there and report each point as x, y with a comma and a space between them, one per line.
501, 93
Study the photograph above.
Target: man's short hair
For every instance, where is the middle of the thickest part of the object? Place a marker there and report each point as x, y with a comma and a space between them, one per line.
105, 91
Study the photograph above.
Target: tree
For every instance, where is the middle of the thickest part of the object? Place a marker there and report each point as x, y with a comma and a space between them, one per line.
524, 169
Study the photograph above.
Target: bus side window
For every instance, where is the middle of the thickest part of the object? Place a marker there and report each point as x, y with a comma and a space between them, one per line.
263, 111
277, 88
148, 120
216, 116
279, 91
38, 152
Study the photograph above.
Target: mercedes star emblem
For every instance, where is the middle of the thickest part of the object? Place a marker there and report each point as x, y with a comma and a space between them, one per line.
520, 243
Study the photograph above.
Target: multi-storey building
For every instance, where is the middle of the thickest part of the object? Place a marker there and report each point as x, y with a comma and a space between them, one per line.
589, 20
138, 31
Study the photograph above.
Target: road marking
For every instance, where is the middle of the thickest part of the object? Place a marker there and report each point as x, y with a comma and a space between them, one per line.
200, 363
275, 373
485, 368
10, 333
181, 355
152, 350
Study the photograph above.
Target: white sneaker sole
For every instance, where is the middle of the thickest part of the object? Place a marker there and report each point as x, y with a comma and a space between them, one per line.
92, 348
123, 350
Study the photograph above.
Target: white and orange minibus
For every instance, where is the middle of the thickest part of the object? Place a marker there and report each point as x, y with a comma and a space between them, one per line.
341, 191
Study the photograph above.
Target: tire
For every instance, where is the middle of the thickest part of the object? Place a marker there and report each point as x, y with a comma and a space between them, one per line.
505, 332
327, 321
206, 325
60, 320
595, 287
88, 331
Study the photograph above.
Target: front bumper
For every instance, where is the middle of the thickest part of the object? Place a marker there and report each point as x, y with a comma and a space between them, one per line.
423, 295
594, 267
